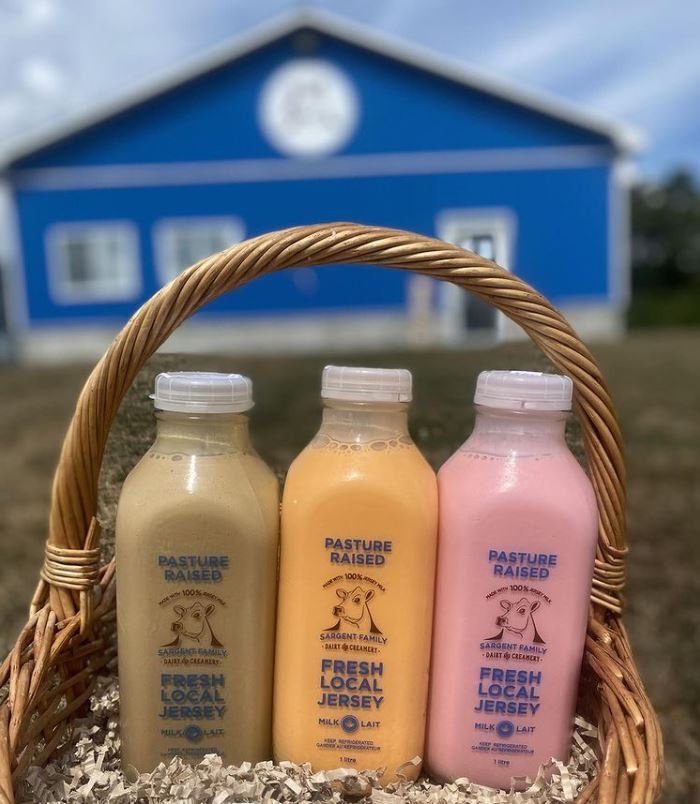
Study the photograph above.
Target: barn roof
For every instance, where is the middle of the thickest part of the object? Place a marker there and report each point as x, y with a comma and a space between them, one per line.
625, 138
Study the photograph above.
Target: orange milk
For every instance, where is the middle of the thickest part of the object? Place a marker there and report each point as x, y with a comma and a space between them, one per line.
359, 531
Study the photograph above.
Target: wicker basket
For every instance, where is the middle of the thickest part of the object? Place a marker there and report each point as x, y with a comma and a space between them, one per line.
63, 645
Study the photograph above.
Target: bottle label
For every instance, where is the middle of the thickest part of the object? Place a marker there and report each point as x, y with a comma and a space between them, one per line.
191, 647
351, 688
511, 680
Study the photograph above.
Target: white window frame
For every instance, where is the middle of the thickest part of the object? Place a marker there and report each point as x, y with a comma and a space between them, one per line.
162, 248
61, 290
453, 225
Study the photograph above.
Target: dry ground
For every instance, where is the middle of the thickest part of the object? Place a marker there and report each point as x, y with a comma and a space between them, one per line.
655, 379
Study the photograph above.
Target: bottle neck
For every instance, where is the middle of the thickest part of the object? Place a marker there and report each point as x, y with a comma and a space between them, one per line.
526, 432
202, 433
362, 422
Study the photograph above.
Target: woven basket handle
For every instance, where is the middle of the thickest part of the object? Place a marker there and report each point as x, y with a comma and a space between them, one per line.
72, 533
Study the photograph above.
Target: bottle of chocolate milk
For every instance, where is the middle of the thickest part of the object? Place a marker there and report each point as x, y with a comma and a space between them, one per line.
359, 530
518, 527
196, 548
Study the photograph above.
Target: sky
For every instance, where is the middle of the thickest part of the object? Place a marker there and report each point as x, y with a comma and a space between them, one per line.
637, 61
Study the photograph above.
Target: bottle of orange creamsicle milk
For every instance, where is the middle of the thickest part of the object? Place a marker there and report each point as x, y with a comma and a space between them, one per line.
197, 531
359, 530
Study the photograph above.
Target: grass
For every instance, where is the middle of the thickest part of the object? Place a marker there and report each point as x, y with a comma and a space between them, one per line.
669, 307
655, 381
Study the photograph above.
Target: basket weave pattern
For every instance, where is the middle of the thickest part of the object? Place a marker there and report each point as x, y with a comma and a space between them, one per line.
61, 648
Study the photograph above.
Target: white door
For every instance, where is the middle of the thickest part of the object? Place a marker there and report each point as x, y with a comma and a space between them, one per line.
462, 315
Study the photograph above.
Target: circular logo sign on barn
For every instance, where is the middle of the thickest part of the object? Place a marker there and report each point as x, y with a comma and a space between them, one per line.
308, 108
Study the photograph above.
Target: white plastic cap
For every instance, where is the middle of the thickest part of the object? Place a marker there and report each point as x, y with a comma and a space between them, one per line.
355, 384
523, 390
203, 392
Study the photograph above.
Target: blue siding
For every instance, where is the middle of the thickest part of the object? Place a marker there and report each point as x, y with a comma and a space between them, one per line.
561, 244
403, 109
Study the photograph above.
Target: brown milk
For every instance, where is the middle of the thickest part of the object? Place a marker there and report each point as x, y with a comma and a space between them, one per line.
197, 532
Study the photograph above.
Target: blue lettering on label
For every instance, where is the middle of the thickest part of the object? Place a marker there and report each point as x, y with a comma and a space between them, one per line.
506, 691
207, 569
192, 696
512, 564
361, 552
351, 684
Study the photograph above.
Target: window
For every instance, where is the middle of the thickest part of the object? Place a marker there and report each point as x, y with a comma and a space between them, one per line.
489, 234
181, 242
95, 262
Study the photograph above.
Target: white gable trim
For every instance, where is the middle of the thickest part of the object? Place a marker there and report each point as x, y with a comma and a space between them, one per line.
624, 137
351, 166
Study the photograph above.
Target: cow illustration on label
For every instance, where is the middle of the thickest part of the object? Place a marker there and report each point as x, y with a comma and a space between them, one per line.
192, 625
353, 612
518, 621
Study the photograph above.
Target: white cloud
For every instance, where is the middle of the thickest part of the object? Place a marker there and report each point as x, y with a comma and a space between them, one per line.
39, 12
22, 17
41, 76
666, 78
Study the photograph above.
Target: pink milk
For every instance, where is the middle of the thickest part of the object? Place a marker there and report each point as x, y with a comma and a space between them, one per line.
518, 525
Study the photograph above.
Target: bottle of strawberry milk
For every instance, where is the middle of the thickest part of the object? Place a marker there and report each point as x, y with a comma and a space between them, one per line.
518, 525
359, 535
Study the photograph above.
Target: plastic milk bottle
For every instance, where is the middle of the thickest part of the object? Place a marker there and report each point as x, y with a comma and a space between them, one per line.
518, 524
359, 530
197, 538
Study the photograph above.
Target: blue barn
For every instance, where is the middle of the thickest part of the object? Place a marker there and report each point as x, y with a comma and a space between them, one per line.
312, 118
